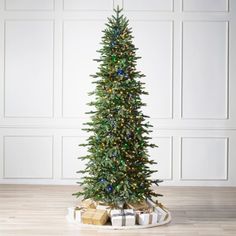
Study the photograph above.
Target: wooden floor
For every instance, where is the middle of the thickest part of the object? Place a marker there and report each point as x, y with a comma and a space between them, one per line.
40, 210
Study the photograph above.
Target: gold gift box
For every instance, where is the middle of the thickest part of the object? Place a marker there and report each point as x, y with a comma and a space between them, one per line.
87, 203
104, 206
139, 206
95, 217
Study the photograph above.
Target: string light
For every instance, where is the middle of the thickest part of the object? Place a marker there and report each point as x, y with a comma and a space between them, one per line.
117, 147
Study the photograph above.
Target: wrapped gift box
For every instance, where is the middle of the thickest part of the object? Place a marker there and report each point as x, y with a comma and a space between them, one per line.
87, 203
162, 214
75, 213
139, 206
71, 213
146, 218
95, 217
123, 217
158, 208
78, 214
103, 206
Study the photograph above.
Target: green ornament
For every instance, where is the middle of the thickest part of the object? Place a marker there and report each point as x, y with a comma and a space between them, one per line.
113, 58
123, 62
118, 187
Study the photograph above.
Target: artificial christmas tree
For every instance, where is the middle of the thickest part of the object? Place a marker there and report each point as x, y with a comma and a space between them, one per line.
118, 166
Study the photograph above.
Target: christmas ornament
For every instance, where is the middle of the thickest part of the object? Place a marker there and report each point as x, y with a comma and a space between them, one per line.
120, 72
102, 180
113, 57
109, 188
117, 31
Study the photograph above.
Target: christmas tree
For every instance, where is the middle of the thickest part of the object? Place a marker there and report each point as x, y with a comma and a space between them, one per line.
118, 165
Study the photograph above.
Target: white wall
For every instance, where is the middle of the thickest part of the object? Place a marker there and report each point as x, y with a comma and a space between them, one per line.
188, 50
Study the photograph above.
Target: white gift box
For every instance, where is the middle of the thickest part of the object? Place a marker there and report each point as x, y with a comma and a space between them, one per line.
147, 218
78, 215
123, 217
71, 213
161, 213
74, 214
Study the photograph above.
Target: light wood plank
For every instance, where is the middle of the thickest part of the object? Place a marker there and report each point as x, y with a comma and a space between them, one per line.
40, 211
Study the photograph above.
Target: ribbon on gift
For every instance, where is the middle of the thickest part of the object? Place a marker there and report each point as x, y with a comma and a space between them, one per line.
103, 206
150, 219
156, 203
148, 212
139, 206
162, 206
123, 214
79, 208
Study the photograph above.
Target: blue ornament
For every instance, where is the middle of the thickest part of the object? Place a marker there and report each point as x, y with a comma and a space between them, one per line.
120, 72
116, 31
113, 123
113, 155
130, 135
113, 44
109, 188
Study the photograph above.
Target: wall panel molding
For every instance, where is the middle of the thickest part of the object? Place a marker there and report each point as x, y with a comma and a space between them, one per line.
205, 6
69, 160
88, 5
167, 152
187, 49
151, 5
160, 87
201, 170
29, 5
202, 114
74, 87
22, 102
24, 150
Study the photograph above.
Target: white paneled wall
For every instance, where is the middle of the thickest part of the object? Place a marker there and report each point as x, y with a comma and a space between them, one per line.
205, 70
78, 49
188, 50
28, 68
27, 156
157, 49
194, 153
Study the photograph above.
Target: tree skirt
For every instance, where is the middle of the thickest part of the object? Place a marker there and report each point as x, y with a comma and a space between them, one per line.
108, 226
